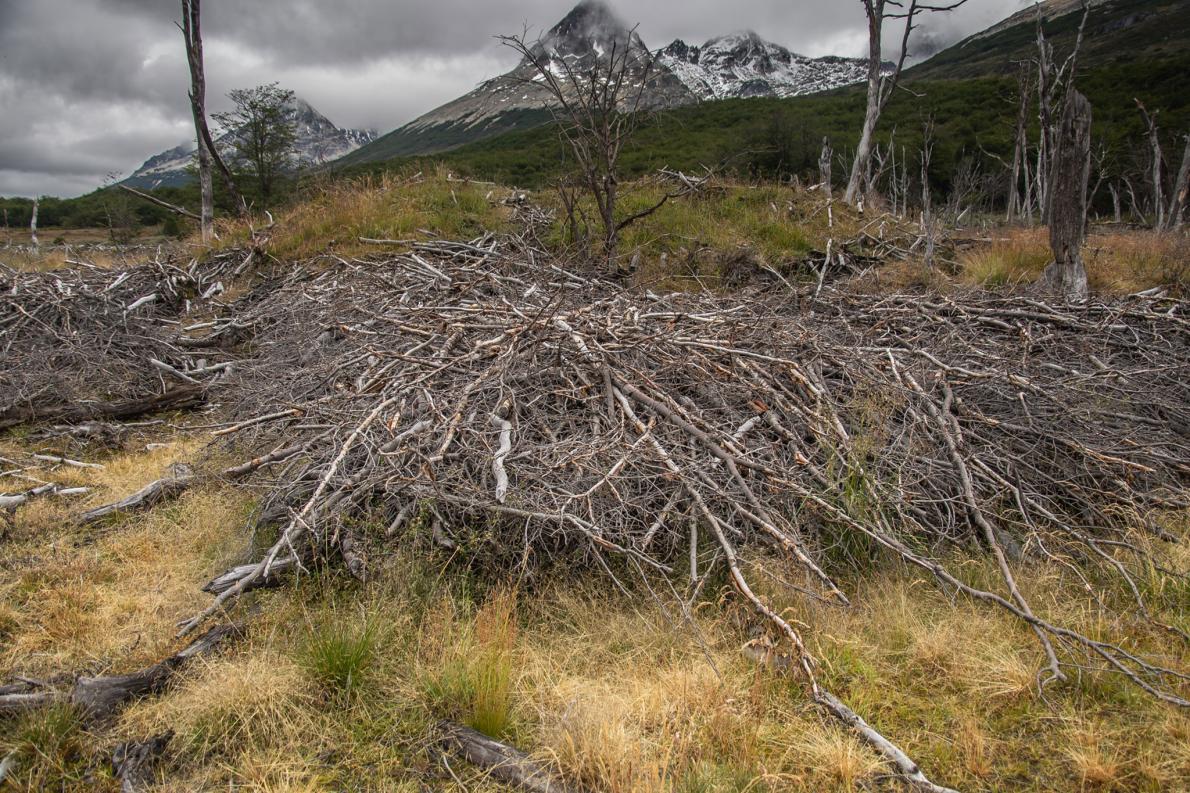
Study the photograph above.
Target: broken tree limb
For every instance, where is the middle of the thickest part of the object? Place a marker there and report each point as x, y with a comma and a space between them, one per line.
906, 768
500, 761
51, 489
186, 213
177, 482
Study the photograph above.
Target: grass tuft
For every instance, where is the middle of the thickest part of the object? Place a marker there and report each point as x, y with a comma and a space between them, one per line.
339, 655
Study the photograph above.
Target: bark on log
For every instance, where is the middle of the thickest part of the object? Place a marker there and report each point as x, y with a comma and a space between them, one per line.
184, 396
180, 478
1181, 192
133, 761
501, 761
1067, 200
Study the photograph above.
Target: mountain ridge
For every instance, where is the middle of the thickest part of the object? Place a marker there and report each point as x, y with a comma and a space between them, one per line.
318, 142
727, 66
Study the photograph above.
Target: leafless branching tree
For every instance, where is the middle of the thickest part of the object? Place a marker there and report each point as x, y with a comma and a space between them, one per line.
598, 105
880, 84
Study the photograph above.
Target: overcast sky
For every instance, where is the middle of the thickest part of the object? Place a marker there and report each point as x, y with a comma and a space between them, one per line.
94, 87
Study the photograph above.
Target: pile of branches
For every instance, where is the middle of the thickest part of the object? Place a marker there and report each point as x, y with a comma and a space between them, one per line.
476, 382
486, 384
78, 335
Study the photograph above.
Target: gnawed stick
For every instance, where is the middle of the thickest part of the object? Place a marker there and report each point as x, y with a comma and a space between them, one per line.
502, 762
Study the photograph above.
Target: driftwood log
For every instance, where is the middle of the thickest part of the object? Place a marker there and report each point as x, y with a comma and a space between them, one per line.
501, 761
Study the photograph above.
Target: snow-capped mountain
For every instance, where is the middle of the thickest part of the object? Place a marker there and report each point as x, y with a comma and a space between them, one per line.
739, 65
590, 33
743, 65
318, 141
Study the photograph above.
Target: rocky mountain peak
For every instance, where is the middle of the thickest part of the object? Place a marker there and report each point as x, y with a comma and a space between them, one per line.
590, 29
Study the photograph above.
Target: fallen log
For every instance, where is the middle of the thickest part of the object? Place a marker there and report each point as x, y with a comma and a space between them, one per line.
177, 482
100, 697
502, 762
184, 396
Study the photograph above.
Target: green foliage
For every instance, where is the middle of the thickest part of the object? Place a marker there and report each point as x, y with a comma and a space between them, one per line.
338, 655
263, 134
48, 749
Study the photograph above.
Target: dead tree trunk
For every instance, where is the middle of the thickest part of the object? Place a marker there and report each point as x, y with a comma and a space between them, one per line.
207, 152
1117, 214
881, 86
1155, 145
33, 225
927, 203
1181, 191
1020, 149
1067, 209
824, 166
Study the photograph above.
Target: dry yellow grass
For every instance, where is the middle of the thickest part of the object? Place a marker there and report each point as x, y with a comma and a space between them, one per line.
1117, 262
621, 694
107, 596
334, 215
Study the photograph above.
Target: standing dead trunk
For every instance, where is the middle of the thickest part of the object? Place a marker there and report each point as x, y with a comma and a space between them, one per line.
1177, 207
824, 166
1067, 210
1020, 147
33, 225
207, 153
1155, 145
880, 85
1117, 214
927, 202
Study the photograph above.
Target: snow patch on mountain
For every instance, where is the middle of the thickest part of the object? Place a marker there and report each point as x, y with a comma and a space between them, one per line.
744, 65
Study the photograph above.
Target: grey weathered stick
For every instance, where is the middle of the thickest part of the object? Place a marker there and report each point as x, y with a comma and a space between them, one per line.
172, 486
501, 761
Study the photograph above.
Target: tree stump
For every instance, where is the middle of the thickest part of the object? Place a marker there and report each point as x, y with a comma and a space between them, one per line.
1067, 200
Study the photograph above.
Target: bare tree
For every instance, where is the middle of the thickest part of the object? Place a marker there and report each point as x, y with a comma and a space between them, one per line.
33, 225
1067, 210
597, 105
824, 167
881, 85
1019, 205
207, 153
1158, 159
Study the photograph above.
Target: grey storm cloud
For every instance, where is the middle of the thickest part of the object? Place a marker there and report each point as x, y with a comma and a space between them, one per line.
91, 88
